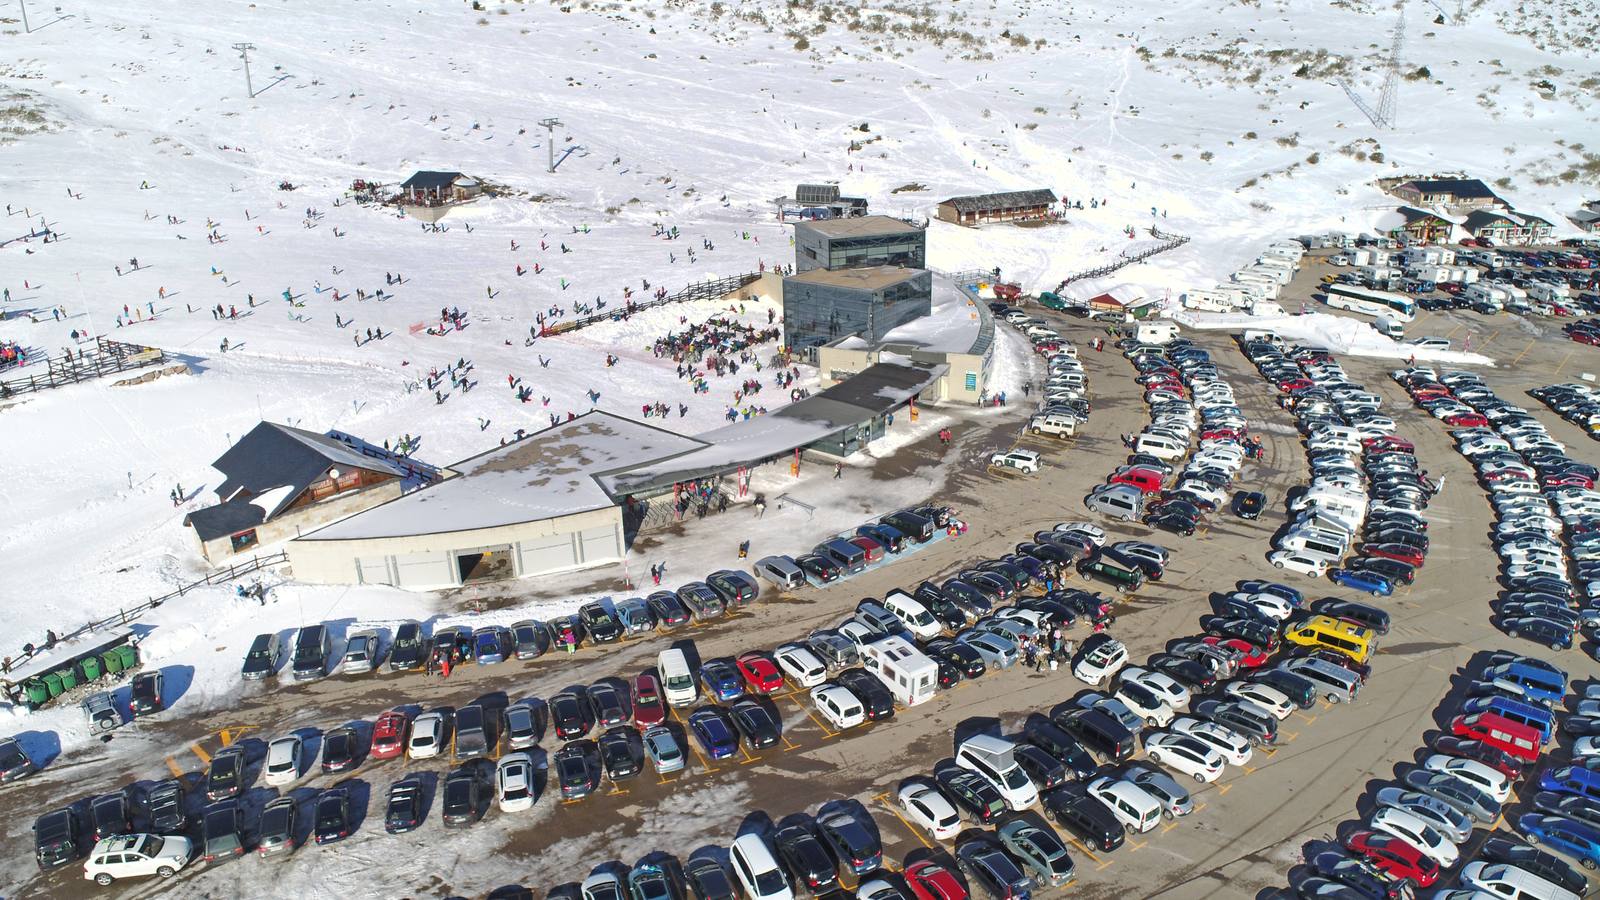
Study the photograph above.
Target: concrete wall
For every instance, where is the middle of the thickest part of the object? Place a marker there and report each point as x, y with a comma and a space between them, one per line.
836, 364
770, 284
428, 561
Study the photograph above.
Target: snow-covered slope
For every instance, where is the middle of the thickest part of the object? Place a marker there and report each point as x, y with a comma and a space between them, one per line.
128, 131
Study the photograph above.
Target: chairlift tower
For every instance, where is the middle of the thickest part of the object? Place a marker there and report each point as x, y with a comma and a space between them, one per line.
550, 126
244, 53
1388, 95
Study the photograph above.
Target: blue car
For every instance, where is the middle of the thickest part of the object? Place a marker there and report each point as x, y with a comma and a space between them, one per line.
1536, 683
721, 680
715, 736
1577, 840
1574, 780
489, 645
1515, 710
892, 538
1362, 580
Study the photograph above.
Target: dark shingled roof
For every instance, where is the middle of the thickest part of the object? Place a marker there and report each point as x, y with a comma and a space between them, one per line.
1479, 218
224, 519
1460, 188
1007, 200
273, 456
429, 181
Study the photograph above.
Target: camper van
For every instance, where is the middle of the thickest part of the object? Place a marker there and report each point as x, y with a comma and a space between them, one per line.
992, 758
909, 675
1156, 332
1205, 301
1265, 308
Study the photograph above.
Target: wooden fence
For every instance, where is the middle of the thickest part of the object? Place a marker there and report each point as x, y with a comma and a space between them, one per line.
700, 290
107, 357
1168, 242
128, 614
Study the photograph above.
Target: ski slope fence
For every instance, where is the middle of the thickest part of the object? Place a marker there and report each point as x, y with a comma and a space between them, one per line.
700, 290
1168, 242
107, 357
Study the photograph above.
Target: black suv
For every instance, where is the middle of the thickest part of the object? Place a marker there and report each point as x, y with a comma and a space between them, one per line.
145, 693
1071, 807
164, 805
986, 865
464, 794
808, 863
875, 698
55, 839
410, 648
602, 626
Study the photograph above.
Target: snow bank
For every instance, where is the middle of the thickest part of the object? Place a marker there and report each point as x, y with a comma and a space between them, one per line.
1337, 333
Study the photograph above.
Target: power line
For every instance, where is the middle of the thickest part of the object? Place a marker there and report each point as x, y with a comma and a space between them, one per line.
244, 52
1388, 95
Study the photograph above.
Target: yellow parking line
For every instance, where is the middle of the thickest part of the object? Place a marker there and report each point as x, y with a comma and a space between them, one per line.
1523, 353
812, 716
1248, 770
1224, 788
1308, 719
1169, 826
172, 766
1086, 851
1138, 846
1199, 806
1563, 364
1290, 735
200, 751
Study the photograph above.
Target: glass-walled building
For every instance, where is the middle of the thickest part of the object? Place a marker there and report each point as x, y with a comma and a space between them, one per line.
820, 306
858, 243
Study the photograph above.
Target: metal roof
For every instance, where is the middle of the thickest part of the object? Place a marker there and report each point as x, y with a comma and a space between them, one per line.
1460, 188
869, 278
816, 193
859, 226
1006, 200
232, 517
276, 456
428, 180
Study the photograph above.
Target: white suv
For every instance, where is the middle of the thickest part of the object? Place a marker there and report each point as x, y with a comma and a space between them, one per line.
137, 856
1025, 461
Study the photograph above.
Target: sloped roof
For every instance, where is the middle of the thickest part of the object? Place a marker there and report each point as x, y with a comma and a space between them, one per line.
1460, 188
274, 456
1481, 218
548, 474
1006, 200
428, 180
224, 519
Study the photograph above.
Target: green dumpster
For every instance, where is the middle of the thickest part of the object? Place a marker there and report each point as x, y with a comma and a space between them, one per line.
89, 669
52, 684
38, 694
128, 655
69, 678
112, 661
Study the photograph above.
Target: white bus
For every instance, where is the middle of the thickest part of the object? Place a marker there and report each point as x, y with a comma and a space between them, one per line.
1369, 302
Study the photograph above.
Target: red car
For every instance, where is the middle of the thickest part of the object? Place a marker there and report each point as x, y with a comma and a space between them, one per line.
1252, 657
1585, 337
930, 881
1295, 384
1468, 748
1387, 443
1393, 857
1403, 552
760, 671
647, 706
389, 735
1508, 475
1221, 434
1146, 480
872, 548
1567, 479
1465, 420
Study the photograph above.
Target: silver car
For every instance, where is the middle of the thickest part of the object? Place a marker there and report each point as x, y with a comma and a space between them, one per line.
521, 726
1449, 821
1174, 800
998, 652
662, 749
361, 652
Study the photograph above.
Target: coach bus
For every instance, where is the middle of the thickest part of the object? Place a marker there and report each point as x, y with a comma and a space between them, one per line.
1369, 302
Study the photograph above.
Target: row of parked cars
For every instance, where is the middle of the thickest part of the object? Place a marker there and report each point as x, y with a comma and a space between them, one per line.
1063, 403
1547, 527
1188, 399
1576, 402
1422, 825
1358, 521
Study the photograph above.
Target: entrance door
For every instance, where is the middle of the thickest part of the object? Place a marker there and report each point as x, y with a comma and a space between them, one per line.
484, 564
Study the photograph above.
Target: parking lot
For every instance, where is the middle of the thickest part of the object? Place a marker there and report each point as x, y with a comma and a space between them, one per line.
1246, 832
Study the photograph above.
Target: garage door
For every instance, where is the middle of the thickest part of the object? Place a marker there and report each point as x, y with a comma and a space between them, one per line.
424, 570
548, 554
374, 570
600, 544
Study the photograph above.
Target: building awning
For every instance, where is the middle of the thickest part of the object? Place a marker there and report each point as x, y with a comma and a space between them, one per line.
429, 181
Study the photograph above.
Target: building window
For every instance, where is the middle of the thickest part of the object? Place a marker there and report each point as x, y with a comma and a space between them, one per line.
243, 540
972, 381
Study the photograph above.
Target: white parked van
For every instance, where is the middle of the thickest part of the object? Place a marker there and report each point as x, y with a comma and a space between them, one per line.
677, 682
1156, 332
913, 614
1504, 880
1136, 810
1160, 446
909, 675
991, 757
